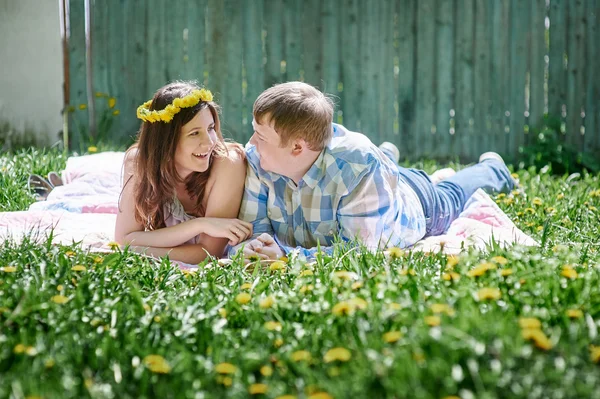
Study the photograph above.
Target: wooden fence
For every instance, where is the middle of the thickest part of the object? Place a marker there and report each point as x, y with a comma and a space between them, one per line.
440, 78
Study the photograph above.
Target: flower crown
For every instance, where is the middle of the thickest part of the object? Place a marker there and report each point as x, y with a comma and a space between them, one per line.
167, 114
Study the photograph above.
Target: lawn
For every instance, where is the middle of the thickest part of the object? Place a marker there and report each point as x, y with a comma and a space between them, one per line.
516, 322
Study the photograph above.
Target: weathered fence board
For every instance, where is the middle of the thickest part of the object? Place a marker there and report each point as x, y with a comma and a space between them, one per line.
440, 78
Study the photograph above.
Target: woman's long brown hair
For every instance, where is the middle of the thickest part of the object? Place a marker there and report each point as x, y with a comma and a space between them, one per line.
154, 165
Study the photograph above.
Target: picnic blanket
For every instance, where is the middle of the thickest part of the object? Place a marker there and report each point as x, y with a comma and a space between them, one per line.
84, 211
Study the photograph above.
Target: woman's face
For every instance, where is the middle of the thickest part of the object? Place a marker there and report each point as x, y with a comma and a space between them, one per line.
197, 141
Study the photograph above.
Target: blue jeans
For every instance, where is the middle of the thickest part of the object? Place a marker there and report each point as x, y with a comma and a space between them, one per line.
443, 202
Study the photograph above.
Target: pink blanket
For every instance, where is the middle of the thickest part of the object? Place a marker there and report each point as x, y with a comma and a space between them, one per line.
84, 211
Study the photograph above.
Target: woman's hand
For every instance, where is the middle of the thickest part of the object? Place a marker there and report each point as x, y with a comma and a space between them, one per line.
234, 229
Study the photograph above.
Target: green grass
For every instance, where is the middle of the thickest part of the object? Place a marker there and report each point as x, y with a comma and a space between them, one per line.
124, 307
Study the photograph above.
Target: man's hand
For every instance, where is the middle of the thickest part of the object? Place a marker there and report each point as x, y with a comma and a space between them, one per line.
264, 247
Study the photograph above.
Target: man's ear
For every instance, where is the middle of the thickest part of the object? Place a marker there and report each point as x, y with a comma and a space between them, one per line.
298, 146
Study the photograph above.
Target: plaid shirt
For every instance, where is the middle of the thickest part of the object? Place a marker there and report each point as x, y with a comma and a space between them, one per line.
352, 190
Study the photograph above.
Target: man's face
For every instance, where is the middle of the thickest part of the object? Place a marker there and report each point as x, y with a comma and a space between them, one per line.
273, 158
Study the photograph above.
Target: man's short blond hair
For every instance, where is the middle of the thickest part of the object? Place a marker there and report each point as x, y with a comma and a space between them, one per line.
298, 111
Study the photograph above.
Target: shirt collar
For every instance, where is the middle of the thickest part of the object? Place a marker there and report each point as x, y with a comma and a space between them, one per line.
316, 171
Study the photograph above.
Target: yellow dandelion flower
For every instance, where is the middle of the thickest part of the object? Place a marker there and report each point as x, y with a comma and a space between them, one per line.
306, 273
92, 149
82, 106
394, 306
442, 308
433, 321
49, 363
592, 208
225, 368
451, 397
339, 354
451, 261
506, 272
157, 319
256, 389
358, 303
539, 228
99, 94
8, 269
30, 351
277, 265
537, 201
501, 260
595, 353
320, 395
501, 195
273, 326
112, 102
530, 210
346, 275
480, 269
267, 302
405, 272
116, 112
357, 285
301, 356
452, 276
224, 380
538, 337
334, 371
306, 288
286, 397
246, 286
98, 259
243, 298
223, 312
266, 371
78, 268
574, 313
392, 336
113, 245
569, 272
157, 364
59, 299
395, 252
19, 348
508, 201
489, 293
342, 308
278, 342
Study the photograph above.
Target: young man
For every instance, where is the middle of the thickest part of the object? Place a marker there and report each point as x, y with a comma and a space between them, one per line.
309, 180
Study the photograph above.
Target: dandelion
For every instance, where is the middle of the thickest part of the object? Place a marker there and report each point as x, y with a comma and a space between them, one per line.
273, 326
442, 308
30, 351
595, 353
222, 312
530, 210
246, 286
405, 272
433, 321
98, 259
116, 112
277, 265
113, 245
357, 285
157, 364
394, 306
278, 342
8, 269
78, 268
574, 313
286, 397
480, 269
342, 308
224, 380
392, 336
266, 371
306, 273
92, 149
49, 363
501, 195
306, 288
506, 272
225, 368
569, 272
112, 102
243, 298
59, 299
267, 302
320, 395
156, 319
346, 275
301, 356
451, 261
82, 106
539, 228
19, 348
256, 389
538, 337
395, 252
537, 201
339, 354
501, 260
489, 293
452, 276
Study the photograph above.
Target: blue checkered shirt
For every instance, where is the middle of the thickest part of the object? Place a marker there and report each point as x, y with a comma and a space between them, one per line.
352, 190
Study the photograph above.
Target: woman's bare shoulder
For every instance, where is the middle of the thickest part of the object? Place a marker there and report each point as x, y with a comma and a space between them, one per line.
235, 158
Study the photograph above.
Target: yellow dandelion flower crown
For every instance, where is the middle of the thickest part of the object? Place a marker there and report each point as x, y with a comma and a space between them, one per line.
167, 114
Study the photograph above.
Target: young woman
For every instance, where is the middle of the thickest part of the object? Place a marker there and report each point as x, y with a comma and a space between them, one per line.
182, 184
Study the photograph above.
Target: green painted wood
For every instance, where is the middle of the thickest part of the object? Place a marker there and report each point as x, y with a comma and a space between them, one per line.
387, 91
444, 67
499, 75
464, 78
351, 65
231, 85
519, 52
253, 59
331, 47
292, 22
537, 71
482, 110
576, 65
175, 50
194, 66
115, 53
156, 41
78, 118
312, 37
370, 71
274, 42
425, 80
557, 77
100, 68
592, 107
406, 78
